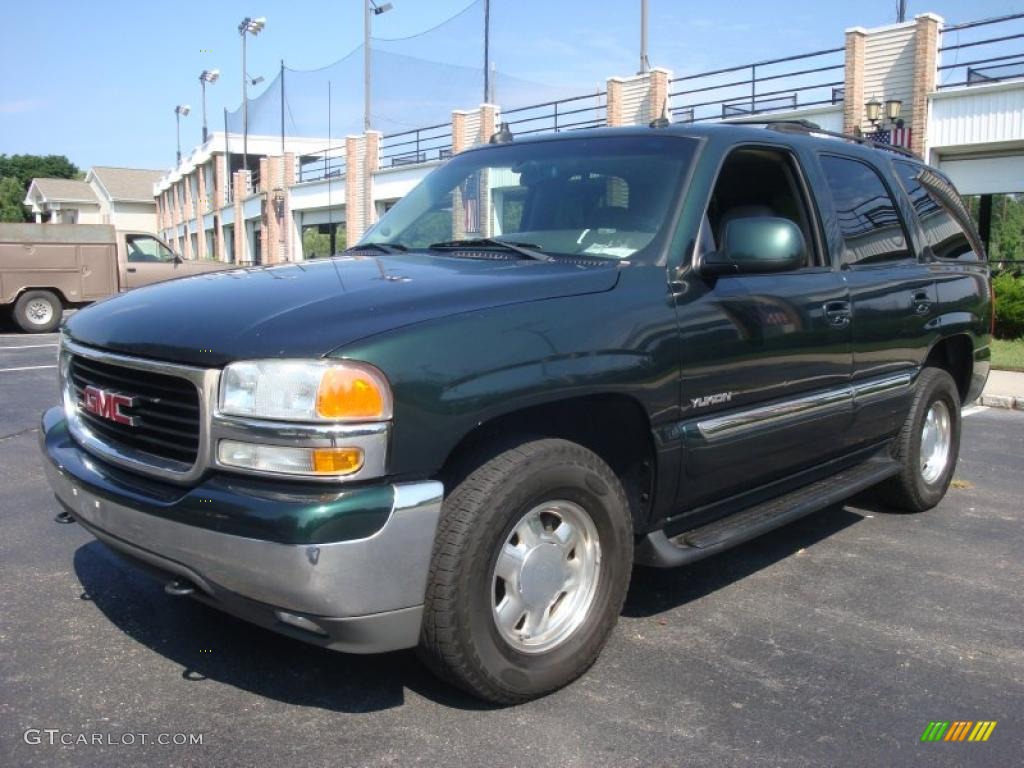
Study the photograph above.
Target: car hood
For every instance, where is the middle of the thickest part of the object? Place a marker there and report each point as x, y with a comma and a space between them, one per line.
309, 309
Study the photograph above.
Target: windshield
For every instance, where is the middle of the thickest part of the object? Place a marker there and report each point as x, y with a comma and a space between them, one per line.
601, 197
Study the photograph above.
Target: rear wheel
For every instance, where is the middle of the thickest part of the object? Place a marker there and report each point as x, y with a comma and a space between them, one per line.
928, 445
529, 573
38, 311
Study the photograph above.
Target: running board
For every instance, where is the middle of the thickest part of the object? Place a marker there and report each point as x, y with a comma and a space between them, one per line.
659, 551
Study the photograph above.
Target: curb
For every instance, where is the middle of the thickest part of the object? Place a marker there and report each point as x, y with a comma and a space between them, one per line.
1002, 401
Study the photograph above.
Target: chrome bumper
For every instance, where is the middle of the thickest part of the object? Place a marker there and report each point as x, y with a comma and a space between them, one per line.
380, 580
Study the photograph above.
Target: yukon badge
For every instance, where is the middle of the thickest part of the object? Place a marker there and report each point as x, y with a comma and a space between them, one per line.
716, 399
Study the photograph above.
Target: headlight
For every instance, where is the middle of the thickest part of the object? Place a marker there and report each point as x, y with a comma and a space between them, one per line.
305, 391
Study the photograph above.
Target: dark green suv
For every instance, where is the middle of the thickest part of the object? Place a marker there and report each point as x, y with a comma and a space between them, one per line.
553, 359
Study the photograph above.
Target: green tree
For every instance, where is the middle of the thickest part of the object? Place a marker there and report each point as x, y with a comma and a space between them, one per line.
22, 169
11, 195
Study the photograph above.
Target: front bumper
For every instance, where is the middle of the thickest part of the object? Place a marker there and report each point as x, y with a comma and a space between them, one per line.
362, 594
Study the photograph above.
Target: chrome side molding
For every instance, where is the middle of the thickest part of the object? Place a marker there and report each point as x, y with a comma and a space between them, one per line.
846, 397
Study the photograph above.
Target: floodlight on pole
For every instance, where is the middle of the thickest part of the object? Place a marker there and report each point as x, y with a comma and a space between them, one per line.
248, 26
370, 9
207, 76
180, 111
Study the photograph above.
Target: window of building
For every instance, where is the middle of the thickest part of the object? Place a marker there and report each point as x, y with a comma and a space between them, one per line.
868, 218
940, 211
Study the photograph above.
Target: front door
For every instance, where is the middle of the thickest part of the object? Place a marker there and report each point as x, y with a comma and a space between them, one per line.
147, 260
766, 357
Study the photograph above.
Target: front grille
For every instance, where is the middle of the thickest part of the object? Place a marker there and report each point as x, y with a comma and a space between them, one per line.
165, 409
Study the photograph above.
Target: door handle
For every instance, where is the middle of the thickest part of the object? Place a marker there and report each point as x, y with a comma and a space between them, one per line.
837, 313
130, 269
922, 303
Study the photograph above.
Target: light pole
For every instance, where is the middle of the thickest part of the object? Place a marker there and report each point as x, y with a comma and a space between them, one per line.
248, 26
207, 76
370, 10
645, 64
180, 111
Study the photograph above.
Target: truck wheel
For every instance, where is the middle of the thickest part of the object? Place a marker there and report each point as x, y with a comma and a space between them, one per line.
38, 311
530, 569
928, 445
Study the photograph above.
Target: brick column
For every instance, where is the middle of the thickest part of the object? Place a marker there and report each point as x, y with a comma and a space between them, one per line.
853, 80
202, 204
926, 60
240, 182
354, 188
288, 223
639, 99
458, 131
220, 200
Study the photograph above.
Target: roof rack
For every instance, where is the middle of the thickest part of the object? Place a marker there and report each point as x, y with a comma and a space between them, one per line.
806, 126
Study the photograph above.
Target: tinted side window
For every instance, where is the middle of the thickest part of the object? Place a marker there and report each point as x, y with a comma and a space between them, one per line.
936, 201
867, 214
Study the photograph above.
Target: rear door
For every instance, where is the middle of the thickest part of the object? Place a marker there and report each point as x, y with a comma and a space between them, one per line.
892, 291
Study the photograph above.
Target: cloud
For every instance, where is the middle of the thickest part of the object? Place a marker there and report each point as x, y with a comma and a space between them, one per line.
20, 106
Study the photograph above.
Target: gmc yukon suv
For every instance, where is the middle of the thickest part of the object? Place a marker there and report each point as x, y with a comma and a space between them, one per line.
553, 359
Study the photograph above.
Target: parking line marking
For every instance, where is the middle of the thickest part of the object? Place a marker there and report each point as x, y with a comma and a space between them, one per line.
973, 410
29, 346
27, 368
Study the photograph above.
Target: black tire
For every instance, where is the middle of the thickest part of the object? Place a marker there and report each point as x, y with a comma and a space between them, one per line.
28, 307
460, 640
909, 490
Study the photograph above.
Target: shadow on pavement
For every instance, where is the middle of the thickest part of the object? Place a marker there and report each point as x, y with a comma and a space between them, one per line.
208, 644
654, 590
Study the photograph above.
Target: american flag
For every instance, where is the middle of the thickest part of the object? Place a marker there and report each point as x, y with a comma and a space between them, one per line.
471, 203
894, 137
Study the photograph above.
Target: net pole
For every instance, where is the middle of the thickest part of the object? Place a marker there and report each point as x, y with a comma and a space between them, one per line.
282, 107
487, 51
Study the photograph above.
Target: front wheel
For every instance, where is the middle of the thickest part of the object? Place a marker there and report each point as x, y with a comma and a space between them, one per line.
529, 573
928, 446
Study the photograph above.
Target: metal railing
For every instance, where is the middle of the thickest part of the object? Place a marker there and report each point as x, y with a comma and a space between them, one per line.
772, 85
323, 164
994, 51
573, 113
418, 145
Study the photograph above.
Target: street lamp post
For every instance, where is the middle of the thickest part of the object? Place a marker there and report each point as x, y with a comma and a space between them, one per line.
207, 76
248, 26
180, 111
370, 10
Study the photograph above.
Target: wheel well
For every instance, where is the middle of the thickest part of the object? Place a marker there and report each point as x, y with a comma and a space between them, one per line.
955, 355
615, 427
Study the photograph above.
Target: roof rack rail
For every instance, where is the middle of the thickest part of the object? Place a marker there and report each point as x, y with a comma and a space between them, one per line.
806, 126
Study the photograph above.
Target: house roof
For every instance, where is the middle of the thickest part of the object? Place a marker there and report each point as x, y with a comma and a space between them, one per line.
126, 184
62, 190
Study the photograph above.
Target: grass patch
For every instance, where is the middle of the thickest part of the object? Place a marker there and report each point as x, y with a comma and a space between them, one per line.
1008, 355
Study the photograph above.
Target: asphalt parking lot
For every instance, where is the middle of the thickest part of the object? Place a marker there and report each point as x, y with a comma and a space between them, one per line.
833, 641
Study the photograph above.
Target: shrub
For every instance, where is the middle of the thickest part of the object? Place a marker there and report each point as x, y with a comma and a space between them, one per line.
1009, 290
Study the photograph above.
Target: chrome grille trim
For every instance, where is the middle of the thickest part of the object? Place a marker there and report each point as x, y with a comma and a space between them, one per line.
204, 380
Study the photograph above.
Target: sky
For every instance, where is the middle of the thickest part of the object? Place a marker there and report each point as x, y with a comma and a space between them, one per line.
98, 81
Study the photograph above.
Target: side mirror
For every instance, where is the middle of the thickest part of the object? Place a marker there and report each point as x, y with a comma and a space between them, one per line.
757, 245
178, 259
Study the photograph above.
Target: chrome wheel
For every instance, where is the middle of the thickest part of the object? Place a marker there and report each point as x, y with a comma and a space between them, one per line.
39, 311
936, 440
545, 577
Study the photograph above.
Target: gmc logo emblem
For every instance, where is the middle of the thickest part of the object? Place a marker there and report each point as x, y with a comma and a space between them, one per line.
108, 405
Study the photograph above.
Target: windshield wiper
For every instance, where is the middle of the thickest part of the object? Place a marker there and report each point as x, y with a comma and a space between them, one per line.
382, 247
529, 250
